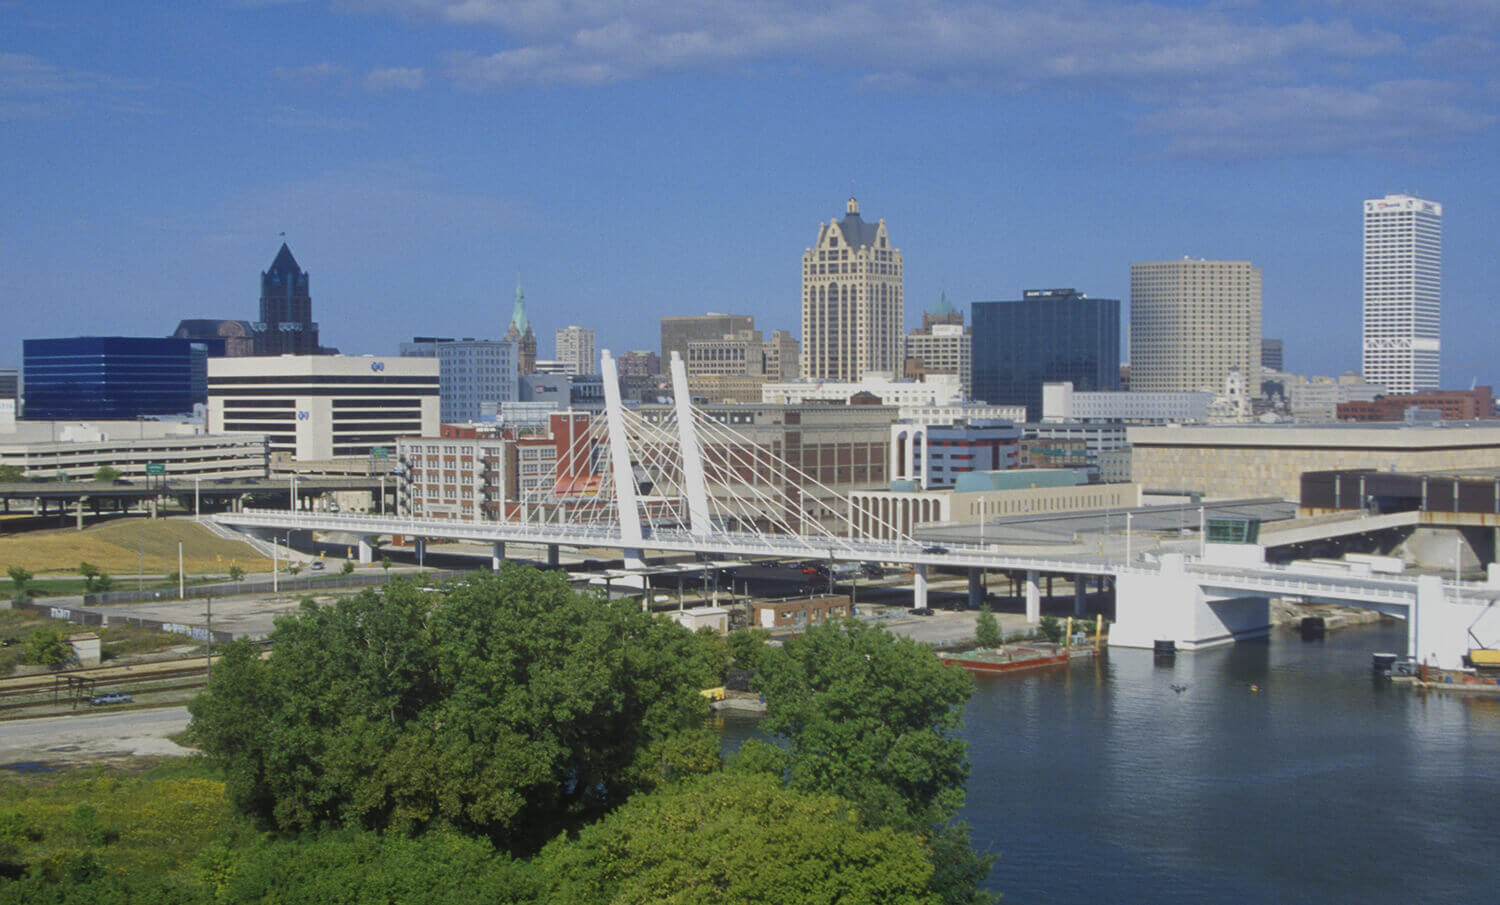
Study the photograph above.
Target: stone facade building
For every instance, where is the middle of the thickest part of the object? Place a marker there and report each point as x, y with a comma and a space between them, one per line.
852, 302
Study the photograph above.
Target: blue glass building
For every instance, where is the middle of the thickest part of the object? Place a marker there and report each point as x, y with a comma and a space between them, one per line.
107, 378
1049, 335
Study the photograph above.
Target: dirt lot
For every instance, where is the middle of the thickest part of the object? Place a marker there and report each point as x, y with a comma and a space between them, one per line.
117, 548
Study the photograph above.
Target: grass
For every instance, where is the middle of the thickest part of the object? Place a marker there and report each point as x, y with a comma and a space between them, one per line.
147, 822
123, 547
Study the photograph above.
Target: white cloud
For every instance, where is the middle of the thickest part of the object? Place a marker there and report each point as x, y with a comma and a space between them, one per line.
321, 73
1318, 119
394, 78
33, 89
1178, 63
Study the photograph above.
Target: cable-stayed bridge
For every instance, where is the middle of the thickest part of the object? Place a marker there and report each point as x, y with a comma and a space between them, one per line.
695, 485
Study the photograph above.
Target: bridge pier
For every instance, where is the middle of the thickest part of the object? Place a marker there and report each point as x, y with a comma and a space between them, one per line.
1033, 596
976, 588
919, 587
1170, 605
1080, 594
552, 555
366, 550
419, 547
497, 555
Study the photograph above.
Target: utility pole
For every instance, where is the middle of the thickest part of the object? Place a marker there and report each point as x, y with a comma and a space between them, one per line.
181, 582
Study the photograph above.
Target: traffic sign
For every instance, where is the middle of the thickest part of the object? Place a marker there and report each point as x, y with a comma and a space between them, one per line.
379, 452
155, 468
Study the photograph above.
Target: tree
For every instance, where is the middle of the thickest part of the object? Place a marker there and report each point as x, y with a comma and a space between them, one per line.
106, 473
90, 573
874, 718
20, 578
987, 628
511, 706
48, 646
733, 839
294, 568
352, 868
746, 646
1050, 628
385, 563
236, 573
11, 473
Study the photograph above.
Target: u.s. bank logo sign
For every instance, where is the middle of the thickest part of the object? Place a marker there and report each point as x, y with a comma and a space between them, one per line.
303, 416
377, 366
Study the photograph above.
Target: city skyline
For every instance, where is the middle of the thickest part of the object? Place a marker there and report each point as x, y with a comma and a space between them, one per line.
156, 158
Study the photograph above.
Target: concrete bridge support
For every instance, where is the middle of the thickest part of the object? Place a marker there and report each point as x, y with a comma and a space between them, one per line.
919, 587
1170, 605
976, 588
419, 547
1080, 594
366, 550
1033, 597
552, 556
497, 555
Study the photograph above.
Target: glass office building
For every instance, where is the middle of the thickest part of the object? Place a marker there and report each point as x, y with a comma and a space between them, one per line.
107, 378
1049, 335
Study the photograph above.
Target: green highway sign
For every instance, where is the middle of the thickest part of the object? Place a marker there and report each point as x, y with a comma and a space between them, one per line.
378, 452
155, 468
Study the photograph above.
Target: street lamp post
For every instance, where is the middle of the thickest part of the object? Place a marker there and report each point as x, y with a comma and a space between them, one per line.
1127, 539
196, 480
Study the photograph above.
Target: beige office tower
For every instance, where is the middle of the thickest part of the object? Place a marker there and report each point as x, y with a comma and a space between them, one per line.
575, 349
1192, 323
851, 300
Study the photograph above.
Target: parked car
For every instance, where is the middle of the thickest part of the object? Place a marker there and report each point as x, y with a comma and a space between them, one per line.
922, 611
110, 697
935, 549
122, 482
317, 565
872, 570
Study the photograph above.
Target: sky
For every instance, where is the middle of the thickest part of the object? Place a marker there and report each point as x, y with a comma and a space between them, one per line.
630, 160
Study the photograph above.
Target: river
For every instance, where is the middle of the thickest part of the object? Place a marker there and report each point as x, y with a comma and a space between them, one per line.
1282, 773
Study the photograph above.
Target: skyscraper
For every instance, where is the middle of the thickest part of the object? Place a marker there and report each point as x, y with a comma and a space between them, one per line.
1049, 335
575, 348
1192, 322
1403, 292
852, 305
286, 326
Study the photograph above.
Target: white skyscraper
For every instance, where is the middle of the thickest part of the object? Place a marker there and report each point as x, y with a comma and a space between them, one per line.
1403, 293
851, 300
575, 349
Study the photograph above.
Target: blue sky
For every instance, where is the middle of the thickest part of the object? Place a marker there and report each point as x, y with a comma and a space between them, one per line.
632, 160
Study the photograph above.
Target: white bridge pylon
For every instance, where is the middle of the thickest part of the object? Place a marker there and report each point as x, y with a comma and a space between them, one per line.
688, 471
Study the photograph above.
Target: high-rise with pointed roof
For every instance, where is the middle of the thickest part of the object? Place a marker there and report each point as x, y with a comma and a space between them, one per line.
286, 326
520, 334
851, 300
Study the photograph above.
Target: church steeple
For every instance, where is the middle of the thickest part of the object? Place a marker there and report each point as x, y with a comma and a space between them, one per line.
520, 334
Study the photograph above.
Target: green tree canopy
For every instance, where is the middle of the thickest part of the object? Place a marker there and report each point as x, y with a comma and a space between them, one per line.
874, 718
736, 838
355, 868
870, 717
511, 706
21, 578
48, 646
12, 473
106, 473
987, 628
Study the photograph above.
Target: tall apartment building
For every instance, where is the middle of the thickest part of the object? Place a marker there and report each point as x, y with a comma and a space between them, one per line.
1271, 356
475, 376
575, 349
678, 331
638, 363
942, 348
852, 300
1047, 336
286, 326
320, 407
1192, 322
1403, 265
